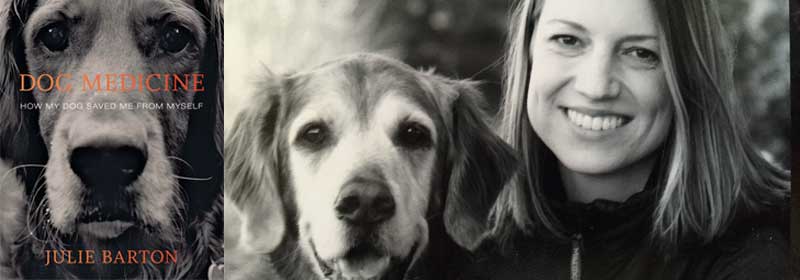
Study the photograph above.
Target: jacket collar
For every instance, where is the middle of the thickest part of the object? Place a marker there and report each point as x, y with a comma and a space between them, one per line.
601, 218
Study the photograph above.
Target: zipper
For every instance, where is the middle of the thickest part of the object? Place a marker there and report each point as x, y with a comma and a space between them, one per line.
575, 262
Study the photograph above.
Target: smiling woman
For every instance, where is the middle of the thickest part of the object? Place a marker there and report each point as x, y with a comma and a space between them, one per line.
636, 165
598, 96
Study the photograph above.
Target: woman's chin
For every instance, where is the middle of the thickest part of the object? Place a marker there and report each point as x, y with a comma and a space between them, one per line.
595, 163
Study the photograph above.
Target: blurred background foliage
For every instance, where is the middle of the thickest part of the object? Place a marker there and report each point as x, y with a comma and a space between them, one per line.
466, 39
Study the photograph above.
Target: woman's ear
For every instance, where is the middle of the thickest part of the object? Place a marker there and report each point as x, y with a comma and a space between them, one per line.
251, 170
480, 165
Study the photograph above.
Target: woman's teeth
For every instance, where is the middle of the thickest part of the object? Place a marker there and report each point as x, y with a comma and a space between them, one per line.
594, 123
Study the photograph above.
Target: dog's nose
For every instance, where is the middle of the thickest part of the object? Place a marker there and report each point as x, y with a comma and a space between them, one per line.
103, 167
362, 203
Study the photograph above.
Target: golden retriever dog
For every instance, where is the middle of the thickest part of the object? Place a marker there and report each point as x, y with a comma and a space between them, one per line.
112, 179
362, 168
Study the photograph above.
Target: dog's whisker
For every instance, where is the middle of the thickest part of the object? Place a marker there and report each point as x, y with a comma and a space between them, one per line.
12, 170
38, 186
181, 161
40, 179
42, 223
192, 178
32, 198
34, 220
21, 166
26, 166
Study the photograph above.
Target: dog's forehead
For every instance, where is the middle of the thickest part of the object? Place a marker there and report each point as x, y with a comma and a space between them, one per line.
107, 28
143, 9
91, 2
363, 81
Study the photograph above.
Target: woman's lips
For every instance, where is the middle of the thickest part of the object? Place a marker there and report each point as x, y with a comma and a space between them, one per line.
596, 121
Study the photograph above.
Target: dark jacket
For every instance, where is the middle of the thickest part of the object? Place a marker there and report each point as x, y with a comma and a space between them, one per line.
611, 240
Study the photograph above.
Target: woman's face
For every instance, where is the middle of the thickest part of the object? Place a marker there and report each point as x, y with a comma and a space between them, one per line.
597, 95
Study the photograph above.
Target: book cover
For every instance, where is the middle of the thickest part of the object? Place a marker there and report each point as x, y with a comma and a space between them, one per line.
110, 139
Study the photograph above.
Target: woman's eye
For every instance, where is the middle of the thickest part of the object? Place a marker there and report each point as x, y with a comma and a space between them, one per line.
314, 136
54, 37
642, 55
175, 38
567, 41
412, 135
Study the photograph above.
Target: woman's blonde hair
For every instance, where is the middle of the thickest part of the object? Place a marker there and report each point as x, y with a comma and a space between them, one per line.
709, 169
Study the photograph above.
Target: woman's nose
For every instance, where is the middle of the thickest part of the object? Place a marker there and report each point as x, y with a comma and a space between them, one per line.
594, 78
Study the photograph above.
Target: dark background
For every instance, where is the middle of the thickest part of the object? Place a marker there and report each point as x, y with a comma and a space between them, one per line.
795, 42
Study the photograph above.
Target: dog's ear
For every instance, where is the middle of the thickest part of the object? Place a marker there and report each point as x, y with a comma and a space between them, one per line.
208, 121
213, 61
10, 45
205, 127
20, 140
251, 168
480, 163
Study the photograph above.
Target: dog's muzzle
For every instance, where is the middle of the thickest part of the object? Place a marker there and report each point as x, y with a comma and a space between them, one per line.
363, 205
106, 172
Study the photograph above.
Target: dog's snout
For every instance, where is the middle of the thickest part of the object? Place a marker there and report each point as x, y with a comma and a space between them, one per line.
107, 167
365, 203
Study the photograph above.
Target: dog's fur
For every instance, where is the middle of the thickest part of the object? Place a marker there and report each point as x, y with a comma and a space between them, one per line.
286, 191
176, 202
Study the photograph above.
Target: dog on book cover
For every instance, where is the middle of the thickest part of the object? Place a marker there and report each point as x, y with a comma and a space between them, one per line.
111, 139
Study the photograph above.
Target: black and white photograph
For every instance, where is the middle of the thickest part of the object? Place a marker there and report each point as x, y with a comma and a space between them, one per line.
508, 139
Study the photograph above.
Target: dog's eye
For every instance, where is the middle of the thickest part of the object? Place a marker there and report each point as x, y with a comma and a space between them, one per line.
54, 36
413, 135
174, 38
313, 136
